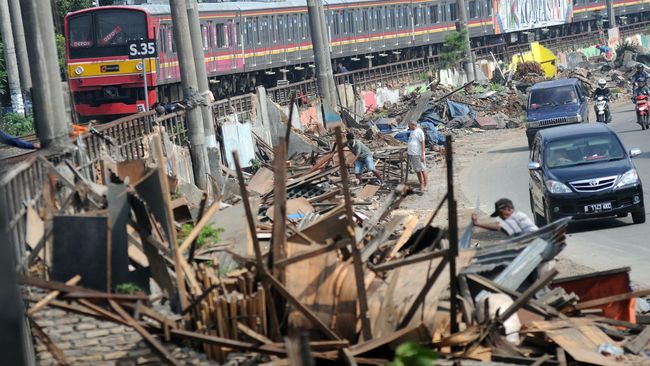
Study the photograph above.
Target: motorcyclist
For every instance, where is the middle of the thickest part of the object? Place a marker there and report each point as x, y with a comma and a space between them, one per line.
641, 87
602, 91
640, 72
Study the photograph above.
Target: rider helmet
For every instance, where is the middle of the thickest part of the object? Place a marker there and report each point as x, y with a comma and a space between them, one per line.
602, 83
640, 67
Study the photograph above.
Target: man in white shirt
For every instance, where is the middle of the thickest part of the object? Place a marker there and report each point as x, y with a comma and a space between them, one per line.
415, 151
510, 222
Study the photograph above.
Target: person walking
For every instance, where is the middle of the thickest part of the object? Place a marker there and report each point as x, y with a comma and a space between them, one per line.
415, 151
364, 158
509, 221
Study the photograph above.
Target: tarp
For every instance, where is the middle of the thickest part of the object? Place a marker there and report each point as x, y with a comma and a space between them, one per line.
459, 110
431, 135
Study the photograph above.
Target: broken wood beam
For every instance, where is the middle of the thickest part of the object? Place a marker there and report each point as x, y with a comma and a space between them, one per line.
153, 342
610, 299
528, 294
638, 343
225, 342
261, 269
204, 201
51, 296
279, 238
54, 350
410, 260
356, 255
196, 230
312, 253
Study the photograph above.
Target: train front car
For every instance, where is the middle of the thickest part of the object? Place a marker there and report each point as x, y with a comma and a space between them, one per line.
102, 78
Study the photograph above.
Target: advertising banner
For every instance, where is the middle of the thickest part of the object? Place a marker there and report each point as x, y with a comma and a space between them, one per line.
516, 15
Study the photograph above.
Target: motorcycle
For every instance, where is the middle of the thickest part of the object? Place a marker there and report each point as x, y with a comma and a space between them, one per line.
602, 109
642, 111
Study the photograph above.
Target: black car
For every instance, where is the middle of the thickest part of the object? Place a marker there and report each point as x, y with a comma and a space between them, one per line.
583, 171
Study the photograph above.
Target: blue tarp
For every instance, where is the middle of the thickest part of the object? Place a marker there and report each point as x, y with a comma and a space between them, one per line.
459, 110
431, 135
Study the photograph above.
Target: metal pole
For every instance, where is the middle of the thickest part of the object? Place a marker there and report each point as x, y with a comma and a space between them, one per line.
11, 62
328, 53
21, 46
212, 146
190, 95
462, 25
321, 58
453, 236
52, 126
611, 14
144, 81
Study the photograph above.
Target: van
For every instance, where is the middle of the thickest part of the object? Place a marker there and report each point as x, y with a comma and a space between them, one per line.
555, 103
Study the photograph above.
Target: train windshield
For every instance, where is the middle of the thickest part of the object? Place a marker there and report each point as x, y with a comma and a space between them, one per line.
104, 33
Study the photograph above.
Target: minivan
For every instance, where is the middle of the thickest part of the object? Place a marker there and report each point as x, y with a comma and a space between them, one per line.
583, 171
555, 103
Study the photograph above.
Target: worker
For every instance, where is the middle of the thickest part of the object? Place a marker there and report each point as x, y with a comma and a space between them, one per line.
509, 221
364, 158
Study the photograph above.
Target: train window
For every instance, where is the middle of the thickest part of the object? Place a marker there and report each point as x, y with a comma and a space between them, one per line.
365, 23
393, 18
405, 15
433, 14
452, 12
282, 27
204, 37
472, 9
488, 9
117, 27
416, 16
81, 31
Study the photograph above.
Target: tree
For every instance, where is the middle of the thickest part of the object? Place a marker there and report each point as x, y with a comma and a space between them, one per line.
453, 50
60, 50
64, 7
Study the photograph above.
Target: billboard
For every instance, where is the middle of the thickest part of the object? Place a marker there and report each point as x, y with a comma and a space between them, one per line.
516, 15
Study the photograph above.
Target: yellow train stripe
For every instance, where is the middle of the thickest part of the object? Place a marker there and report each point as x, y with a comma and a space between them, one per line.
125, 67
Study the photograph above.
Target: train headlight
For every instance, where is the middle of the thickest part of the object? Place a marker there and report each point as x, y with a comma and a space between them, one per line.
139, 66
79, 70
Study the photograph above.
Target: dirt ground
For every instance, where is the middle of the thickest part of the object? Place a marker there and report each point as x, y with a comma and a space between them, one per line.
466, 148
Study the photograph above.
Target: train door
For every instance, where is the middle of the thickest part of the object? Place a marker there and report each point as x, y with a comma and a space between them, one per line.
232, 45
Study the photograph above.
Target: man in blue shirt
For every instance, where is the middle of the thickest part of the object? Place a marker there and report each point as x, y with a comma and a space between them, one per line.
7, 139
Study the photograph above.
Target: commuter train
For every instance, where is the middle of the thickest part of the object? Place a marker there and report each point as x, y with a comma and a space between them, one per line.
252, 43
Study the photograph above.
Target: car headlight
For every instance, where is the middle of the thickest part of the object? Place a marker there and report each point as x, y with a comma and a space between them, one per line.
139, 66
79, 70
629, 178
554, 186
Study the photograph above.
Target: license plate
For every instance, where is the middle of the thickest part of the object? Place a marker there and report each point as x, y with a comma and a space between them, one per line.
598, 207
601, 112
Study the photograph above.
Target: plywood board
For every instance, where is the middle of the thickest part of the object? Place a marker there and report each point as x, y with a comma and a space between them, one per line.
134, 169
233, 221
35, 230
367, 191
82, 247
262, 181
582, 344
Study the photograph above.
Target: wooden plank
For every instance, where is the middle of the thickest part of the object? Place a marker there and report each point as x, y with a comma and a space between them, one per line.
528, 294
51, 296
347, 357
307, 254
176, 253
581, 347
253, 334
362, 298
279, 240
367, 191
423, 293
409, 227
153, 342
263, 180
225, 342
540, 361
204, 201
610, 299
54, 350
410, 260
196, 230
35, 231
561, 356
261, 269
638, 343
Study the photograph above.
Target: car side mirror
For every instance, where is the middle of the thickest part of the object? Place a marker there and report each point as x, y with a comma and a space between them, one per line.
533, 165
635, 152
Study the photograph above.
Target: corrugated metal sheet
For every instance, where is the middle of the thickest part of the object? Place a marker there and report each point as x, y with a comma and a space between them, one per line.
238, 136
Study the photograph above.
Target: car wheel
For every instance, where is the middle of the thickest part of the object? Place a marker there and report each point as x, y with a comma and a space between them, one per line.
638, 217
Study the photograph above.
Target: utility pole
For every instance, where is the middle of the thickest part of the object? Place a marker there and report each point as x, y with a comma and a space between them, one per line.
52, 126
468, 62
190, 95
10, 60
324, 78
611, 15
327, 42
21, 46
212, 147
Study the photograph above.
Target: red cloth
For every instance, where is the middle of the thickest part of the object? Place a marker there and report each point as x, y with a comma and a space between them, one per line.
599, 286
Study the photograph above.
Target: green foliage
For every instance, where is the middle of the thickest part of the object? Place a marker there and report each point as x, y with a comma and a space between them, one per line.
255, 165
412, 354
453, 49
17, 125
60, 50
64, 7
128, 288
208, 235
3, 71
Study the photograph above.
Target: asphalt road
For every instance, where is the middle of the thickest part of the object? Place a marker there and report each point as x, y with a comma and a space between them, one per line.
599, 243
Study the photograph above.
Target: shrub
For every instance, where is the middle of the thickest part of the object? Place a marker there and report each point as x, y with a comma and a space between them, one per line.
16, 124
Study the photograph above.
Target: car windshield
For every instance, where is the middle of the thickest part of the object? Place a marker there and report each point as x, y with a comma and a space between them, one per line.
582, 150
553, 96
